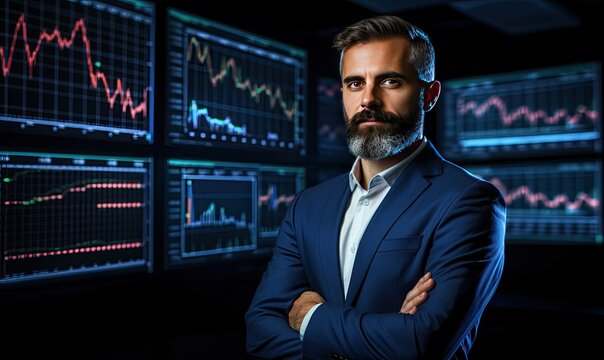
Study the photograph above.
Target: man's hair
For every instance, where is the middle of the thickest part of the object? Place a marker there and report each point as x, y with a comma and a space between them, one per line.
386, 27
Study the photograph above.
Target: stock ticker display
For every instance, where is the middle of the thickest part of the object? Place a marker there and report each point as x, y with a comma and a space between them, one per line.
219, 210
69, 214
232, 89
85, 70
548, 111
331, 128
550, 202
77, 68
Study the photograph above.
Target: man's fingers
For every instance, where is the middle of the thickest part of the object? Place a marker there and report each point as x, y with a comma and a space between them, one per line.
421, 282
310, 295
422, 286
414, 303
428, 285
418, 295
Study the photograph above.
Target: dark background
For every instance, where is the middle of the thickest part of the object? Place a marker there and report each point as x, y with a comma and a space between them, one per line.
549, 302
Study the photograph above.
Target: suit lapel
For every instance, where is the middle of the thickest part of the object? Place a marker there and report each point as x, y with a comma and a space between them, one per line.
409, 186
329, 238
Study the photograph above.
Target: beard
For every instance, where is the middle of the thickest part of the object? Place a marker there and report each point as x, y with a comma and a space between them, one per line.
392, 135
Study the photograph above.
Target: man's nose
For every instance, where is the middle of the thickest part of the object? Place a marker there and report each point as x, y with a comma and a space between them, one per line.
371, 97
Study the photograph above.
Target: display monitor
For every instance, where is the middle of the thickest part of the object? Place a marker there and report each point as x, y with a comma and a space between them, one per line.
544, 112
550, 202
77, 68
234, 90
220, 210
73, 214
331, 126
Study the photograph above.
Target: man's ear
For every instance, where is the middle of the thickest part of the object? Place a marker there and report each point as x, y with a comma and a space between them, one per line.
431, 93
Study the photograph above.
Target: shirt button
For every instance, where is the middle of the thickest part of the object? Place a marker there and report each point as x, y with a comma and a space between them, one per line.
365, 202
353, 249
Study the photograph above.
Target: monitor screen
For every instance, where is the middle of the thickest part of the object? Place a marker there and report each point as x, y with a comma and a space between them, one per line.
548, 111
71, 214
550, 202
234, 90
77, 68
331, 127
219, 211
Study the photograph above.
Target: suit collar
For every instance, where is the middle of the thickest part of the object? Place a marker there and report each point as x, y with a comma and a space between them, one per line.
338, 199
389, 175
429, 162
409, 186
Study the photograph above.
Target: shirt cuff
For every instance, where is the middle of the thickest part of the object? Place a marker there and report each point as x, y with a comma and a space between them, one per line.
306, 320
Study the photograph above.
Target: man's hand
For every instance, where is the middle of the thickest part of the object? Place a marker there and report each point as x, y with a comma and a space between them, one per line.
418, 295
301, 306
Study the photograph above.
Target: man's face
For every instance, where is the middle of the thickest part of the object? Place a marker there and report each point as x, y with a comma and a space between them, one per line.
382, 98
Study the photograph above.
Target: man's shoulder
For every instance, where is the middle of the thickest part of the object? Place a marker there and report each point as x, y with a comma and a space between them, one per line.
464, 174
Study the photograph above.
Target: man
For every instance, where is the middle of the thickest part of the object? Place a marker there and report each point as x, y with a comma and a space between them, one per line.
351, 248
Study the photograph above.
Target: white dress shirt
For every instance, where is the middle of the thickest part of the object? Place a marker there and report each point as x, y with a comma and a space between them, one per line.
362, 206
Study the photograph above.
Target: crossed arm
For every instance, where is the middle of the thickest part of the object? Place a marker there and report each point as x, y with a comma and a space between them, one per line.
415, 297
466, 257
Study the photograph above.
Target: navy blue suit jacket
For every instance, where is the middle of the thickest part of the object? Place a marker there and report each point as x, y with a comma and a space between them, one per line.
437, 217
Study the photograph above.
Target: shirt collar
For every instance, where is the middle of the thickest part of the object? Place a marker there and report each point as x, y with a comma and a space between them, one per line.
389, 175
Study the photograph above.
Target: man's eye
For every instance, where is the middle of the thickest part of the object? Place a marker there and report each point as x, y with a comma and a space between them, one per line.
354, 84
391, 82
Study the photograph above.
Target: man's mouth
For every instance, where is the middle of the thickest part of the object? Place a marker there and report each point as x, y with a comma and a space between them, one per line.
370, 122
370, 118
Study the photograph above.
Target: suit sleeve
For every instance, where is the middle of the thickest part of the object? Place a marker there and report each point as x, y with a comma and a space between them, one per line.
466, 261
268, 332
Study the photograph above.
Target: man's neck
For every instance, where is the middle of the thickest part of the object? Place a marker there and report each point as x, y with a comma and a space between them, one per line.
369, 168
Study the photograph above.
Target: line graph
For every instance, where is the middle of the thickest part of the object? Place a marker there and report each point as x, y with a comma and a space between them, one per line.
233, 89
215, 124
549, 110
273, 200
229, 70
331, 129
278, 187
550, 202
76, 78
329, 88
62, 214
538, 199
558, 117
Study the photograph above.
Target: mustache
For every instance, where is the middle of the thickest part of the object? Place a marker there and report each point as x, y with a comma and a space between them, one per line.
377, 115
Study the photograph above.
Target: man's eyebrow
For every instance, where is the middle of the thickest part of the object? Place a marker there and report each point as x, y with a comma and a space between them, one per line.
380, 76
392, 74
351, 78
